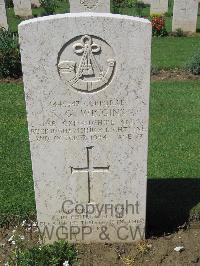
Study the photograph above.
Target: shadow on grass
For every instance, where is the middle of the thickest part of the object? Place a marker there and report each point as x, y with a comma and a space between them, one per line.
169, 202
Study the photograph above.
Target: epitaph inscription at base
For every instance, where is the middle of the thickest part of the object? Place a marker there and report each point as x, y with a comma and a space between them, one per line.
87, 98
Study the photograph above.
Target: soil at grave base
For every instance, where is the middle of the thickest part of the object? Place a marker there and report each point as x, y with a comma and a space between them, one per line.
12, 80
174, 75
151, 252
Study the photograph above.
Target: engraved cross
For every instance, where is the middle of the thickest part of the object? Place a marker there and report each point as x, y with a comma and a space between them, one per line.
90, 169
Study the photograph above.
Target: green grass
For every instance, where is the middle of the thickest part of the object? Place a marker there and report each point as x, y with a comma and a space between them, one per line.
13, 20
16, 184
173, 141
174, 129
173, 52
52, 254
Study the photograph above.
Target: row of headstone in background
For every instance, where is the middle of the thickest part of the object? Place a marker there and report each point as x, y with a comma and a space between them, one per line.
87, 107
3, 16
22, 8
184, 11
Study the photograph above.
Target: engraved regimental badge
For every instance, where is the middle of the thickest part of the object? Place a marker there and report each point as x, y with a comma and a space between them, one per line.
86, 63
89, 4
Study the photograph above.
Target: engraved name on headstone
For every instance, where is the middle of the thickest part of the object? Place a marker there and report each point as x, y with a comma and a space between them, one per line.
87, 98
100, 6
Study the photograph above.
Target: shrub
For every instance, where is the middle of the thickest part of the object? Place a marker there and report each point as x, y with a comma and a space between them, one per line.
49, 6
117, 4
10, 61
179, 33
139, 7
130, 3
170, 3
154, 70
47, 255
193, 65
168, 14
9, 3
158, 26
136, 5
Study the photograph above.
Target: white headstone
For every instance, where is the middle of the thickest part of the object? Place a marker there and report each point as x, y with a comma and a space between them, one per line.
3, 17
185, 15
87, 98
146, 2
22, 8
35, 3
159, 7
100, 6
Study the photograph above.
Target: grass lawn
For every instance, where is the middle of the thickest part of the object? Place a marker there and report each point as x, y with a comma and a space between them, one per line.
16, 184
173, 52
174, 129
173, 142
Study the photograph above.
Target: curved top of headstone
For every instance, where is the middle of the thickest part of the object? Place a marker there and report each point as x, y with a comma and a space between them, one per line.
83, 15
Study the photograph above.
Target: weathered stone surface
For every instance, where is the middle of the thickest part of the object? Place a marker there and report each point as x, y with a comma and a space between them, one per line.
87, 98
185, 15
100, 6
35, 3
22, 8
3, 17
146, 2
159, 6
